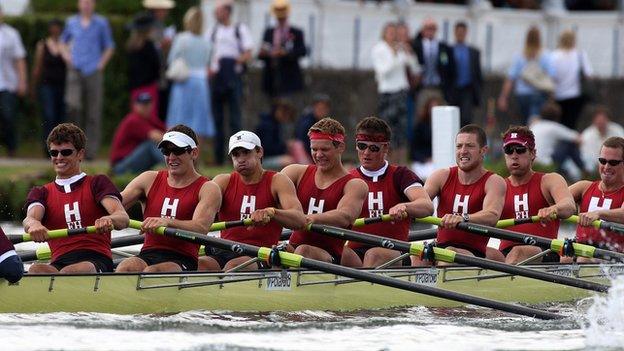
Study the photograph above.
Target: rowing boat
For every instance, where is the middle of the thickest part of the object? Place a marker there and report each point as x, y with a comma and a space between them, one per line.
280, 290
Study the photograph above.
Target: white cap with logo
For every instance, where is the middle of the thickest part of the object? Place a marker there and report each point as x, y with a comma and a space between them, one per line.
178, 139
244, 139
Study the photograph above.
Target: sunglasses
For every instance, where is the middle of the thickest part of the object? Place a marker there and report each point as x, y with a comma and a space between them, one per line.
604, 161
64, 152
371, 147
509, 149
175, 150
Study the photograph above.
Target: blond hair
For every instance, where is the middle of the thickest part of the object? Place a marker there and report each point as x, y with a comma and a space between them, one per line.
567, 40
327, 125
193, 21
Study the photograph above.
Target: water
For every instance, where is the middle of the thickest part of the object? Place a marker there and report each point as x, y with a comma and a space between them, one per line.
594, 323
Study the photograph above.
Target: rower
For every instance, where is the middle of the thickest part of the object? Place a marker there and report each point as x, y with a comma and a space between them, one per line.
74, 200
268, 198
602, 199
178, 197
467, 193
531, 193
328, 193
11, 266
392, 189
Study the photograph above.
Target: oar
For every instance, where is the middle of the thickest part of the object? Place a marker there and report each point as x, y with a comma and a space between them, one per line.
44, 253
297, 261
504, 223
450, 256
554, 244
53, 234
601, 224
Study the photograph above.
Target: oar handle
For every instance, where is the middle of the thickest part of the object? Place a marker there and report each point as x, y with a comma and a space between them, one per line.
600, 224
53, 234
134, 224
364, 221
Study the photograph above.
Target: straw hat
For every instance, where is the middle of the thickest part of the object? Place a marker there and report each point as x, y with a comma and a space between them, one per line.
280, 8
159, 4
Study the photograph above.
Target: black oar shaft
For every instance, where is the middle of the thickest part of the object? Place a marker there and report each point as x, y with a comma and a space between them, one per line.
404, 246
414, 235
293, 260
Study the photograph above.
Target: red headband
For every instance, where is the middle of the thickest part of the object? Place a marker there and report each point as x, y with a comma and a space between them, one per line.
375, 138
326, 136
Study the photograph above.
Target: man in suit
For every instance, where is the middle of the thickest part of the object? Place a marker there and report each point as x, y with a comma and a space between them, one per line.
436, 60
466, 86
282, 47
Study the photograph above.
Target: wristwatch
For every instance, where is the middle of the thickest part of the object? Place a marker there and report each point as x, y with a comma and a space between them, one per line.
466, 217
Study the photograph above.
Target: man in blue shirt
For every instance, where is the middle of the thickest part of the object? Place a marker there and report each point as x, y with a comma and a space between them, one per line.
87, 47
466, 87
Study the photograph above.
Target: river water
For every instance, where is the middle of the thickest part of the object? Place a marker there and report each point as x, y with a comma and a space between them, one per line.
595, 323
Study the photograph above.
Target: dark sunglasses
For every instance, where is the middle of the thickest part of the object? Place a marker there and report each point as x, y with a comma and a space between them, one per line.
174, 150
509, 149
364, 146
64, 152
604, 161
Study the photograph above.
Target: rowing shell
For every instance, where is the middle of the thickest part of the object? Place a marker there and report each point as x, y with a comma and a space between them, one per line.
275, 290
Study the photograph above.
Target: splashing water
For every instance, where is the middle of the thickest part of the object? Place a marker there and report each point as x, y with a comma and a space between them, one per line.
604, 325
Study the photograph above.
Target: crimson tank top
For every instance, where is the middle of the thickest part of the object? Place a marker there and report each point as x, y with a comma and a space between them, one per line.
164, 200
524, 201
240, 200
594, 199
315, 200
457, 198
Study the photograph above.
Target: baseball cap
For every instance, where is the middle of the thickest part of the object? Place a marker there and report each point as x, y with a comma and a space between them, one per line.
143, 98
178, 139
244, 139
519, 139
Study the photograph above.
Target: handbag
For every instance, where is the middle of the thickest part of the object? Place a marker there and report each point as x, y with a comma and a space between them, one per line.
534, 75
178, 70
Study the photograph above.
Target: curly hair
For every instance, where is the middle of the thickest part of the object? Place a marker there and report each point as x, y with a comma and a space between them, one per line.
327, 125
67, 133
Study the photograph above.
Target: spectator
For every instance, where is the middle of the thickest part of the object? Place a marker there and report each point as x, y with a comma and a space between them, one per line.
279, 151
595, 135
569, 63
466, 87
231, 46
162, 37
554, 142
189, 102
282, 47
12, 81
436, 59
534, 63
48, 75
321, 107
421, 147
143, 62
134, 147
87, 47
390, 62
413, 77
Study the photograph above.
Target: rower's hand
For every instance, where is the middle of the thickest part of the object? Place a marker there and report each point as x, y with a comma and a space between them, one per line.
38, 233
150, 224
587, 218
451, 221
547, 214
103, 225
398, 212
308, 221
262, 216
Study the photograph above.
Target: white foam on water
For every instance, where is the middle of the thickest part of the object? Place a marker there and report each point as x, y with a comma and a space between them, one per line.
604, 324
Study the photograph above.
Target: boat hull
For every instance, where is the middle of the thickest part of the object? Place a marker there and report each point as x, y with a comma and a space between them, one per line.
290, 290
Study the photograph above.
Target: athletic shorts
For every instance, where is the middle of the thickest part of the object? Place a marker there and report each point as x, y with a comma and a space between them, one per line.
548, 258
156, 256
361, 251
336, 259
224, 256
101, 262
474, 251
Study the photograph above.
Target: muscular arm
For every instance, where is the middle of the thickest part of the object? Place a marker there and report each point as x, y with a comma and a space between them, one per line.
32, 224
434, 183
578, 189
137, 188
116, 212
290, 213
349, 207
294, 172
493, 202
420, 204
564, 205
